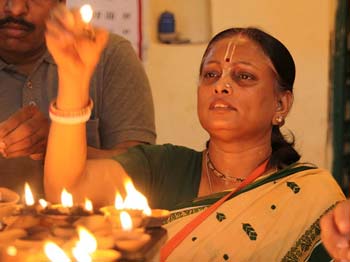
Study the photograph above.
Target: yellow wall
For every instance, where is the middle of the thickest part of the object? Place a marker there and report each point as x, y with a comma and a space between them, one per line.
303, 26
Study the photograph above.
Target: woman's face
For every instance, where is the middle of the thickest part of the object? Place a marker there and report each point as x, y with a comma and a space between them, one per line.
237, 92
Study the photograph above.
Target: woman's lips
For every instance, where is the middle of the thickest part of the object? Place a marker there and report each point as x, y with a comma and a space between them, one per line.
220, 105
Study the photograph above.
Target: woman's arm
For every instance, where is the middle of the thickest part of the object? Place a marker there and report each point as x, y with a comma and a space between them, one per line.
65, 165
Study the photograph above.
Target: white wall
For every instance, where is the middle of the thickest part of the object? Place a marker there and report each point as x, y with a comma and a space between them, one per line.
303, 26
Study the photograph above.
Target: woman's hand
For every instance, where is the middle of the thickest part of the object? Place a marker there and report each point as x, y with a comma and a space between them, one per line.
335, 231
75, 53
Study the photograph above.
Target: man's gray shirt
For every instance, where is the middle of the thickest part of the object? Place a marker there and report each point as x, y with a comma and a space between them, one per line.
123, 106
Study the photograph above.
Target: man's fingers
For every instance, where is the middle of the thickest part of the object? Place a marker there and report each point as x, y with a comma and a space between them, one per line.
38, 156
336, 244
342, 217
16, 119
28, 132
28, 138
38, 148
24, 144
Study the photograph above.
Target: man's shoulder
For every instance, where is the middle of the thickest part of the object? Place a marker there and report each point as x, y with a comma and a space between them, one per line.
117, 46
115, 40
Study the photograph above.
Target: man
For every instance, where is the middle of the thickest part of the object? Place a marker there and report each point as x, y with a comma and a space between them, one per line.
123, 113
335, 231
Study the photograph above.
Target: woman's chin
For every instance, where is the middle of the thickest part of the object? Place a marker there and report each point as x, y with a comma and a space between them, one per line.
219, 127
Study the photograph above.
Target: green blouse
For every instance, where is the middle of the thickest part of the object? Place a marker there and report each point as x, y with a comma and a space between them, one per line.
165, 174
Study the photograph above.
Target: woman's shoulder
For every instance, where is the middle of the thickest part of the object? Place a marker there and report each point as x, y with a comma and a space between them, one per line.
165, 149
159, 153
317, 181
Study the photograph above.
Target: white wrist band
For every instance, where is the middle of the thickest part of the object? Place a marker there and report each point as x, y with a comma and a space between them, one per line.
70, 117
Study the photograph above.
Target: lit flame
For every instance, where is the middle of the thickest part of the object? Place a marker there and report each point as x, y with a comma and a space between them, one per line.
118, 203
66, 199
11, 251
81, 255
43, 203
86, 13
28, 195
126, 221
88, 205
135, 200
85, 246
55, 253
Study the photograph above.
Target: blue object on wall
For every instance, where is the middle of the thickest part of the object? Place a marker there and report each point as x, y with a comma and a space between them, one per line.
166, 28
166, 23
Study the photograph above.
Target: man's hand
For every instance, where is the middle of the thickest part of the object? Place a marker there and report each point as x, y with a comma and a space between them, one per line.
335, 231
24, 134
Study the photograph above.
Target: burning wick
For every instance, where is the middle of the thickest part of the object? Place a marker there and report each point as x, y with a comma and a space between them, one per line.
28, 195
86, 13
88, 205
29, 208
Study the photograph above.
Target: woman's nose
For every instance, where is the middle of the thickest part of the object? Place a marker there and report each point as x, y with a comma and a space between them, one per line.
16, 7
223, 88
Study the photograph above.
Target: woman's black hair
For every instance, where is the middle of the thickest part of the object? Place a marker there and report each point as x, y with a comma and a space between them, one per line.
283, 152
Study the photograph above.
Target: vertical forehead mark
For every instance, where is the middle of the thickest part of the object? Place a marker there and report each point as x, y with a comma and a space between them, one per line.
226, 57
232, 52
234, 41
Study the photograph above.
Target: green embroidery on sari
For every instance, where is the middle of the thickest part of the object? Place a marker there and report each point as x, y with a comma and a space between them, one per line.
310, 238
306, 243
295, 188
250, 231
220, 216
182, 213
209, 200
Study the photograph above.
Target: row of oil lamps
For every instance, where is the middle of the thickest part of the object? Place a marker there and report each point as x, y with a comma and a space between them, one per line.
126, 218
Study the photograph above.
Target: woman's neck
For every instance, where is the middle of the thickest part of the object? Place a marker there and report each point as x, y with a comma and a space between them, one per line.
237, 159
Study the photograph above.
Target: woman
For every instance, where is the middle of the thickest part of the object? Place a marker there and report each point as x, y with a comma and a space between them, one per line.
267, 205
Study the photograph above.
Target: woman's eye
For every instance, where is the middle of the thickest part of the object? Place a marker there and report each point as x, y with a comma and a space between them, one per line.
211, 74
244, 76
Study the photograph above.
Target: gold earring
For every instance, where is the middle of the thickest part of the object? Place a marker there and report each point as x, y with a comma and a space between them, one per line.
279, 119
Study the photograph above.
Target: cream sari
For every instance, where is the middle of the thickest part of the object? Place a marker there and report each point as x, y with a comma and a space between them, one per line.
273, 219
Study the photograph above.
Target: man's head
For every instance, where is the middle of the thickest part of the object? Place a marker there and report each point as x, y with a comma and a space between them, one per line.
22, 25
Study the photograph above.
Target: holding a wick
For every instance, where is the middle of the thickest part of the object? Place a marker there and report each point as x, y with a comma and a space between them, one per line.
123, 113
70, 42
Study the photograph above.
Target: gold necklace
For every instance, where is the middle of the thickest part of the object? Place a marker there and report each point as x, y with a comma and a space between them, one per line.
210, 166
208, 175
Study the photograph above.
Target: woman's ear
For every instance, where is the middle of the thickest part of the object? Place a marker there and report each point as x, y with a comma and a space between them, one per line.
283, 106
